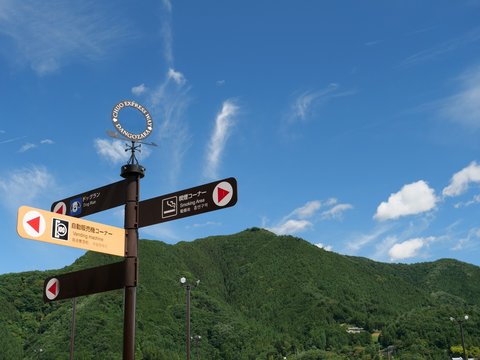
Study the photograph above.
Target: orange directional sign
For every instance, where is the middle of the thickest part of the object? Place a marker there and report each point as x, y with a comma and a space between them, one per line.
41, 225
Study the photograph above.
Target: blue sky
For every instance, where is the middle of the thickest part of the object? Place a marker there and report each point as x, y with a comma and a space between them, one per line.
354, 125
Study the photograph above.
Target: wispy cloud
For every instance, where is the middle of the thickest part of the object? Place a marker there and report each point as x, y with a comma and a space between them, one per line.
167, 34
114, 151
30, 146
304, 105
176, 76
169, 101
26, 147
359, 241
291, 226
474, 200
308, 210
443, 48
296, 221
414, 198
336, 212
464, 106
139, 90
461, 180
24, 186
472, 237
12, 140
69, 31
224, 123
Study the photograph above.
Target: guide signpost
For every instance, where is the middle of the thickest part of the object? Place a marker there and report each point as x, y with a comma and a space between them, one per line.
62, 226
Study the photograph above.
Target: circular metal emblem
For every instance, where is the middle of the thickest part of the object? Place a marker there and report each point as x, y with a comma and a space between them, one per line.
119, 127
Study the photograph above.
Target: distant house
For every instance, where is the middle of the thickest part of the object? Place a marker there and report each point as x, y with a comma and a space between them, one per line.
354, 330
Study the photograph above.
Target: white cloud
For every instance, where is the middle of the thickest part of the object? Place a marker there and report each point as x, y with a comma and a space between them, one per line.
69, 32
220, 82
462, 179
23, 186
114, 151
291, 227
409, 248
414, 198
324, 247
26, 147
336, 212
224, 123
46, 142
139, 90
176, 76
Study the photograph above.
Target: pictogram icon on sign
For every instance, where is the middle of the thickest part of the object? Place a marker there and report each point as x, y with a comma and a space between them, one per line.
52, 289
76, 207
169, 207
60, 208
59, 229
223, 193
34, 223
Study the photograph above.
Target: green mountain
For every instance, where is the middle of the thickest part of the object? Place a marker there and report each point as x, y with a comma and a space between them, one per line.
261, 296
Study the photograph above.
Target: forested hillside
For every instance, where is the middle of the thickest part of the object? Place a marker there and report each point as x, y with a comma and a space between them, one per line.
261, 296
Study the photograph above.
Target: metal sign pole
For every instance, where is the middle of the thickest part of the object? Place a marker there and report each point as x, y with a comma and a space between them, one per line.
132, 173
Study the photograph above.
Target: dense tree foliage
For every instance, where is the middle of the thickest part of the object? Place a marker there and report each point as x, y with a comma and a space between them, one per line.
261, 296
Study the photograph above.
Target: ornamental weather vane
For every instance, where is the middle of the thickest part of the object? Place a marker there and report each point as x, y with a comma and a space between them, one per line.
126, 135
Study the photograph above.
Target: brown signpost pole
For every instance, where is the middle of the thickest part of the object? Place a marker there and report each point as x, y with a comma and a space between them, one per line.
132, 173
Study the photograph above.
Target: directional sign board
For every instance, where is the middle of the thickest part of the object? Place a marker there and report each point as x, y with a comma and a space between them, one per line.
200, 199
41, 225
92, 201
85, 282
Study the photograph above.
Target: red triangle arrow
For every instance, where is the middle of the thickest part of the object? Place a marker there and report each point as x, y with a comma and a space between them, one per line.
53, 288
61, 210
222, 193
35, 223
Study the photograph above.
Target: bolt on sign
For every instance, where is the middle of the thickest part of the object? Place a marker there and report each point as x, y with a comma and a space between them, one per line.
41, 225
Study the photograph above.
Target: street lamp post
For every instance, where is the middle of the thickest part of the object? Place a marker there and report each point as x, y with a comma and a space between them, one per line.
188, 287
196, 340
460, 323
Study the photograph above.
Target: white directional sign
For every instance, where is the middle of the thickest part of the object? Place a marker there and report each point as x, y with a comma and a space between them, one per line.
52, 289
41, 225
